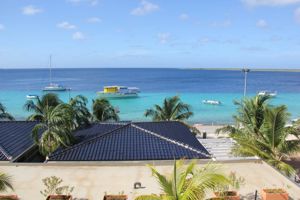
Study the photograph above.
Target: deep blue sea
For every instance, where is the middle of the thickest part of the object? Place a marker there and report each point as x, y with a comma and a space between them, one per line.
193, 86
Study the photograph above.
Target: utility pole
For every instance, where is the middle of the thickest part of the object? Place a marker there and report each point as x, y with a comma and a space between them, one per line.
245, 71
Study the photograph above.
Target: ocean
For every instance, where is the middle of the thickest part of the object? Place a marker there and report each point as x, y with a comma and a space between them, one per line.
192, 86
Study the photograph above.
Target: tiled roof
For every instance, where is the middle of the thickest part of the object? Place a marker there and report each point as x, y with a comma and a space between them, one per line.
15, 138
96, 129
133, 141
3, 155
173, 130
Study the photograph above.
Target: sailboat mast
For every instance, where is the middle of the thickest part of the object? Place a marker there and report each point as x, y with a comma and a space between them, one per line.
50, 68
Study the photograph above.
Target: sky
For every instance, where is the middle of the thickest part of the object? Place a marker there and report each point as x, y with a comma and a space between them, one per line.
150, 33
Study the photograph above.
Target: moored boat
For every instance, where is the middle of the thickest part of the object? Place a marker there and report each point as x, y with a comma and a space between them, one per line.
53, 86
212, 102
32, 96
119, 92
267, 93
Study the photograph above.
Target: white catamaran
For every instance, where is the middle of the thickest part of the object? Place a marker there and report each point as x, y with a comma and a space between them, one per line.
53, 86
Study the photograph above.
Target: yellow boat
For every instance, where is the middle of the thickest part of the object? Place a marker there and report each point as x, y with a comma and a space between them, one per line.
118, 92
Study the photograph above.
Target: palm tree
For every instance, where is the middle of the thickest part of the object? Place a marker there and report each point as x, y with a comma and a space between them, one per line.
171, 110
41, 106
4, 115
82, 114
55, 129
104, 111
5, 182
273, 146
251, 113
261, 131
187, 183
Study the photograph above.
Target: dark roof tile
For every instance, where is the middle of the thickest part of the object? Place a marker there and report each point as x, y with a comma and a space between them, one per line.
134, 142
15, 138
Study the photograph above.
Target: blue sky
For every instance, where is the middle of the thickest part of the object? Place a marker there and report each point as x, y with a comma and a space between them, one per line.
150, 33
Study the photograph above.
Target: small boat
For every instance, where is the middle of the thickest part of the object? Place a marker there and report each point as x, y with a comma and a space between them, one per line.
32, 96
267, 93
212, 102
53, 86
119, 92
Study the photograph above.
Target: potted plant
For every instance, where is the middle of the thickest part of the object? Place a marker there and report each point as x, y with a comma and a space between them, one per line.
229, 192
115, 197
141, 197
54, 190
9, 197
228, 195
59, 197
274, 194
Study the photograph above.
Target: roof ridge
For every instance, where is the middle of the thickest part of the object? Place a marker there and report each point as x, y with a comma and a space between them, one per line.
5, 153
89, 140
184, 145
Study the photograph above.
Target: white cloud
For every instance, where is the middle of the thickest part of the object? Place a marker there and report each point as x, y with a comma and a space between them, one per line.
91, 2
94, 20
78, 36
66, 25
184, 16
164, 37
74, 1
254, 48
297, 15
2, 27
262, 23
94, 2
31, 10
253, 3
145, 7
225, 23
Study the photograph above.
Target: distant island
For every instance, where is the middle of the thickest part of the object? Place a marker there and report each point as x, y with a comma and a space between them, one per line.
255, 69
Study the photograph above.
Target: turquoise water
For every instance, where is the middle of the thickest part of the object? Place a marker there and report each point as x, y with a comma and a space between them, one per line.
193, 86
134, 108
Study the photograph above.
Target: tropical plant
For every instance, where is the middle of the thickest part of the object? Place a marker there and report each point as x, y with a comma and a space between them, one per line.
173, 109
273, 145
82, 114
41, 106
53, 187
4, 115
251, 113
55, 129
187, 183
104, 111
5, 182
235, 184
262, 132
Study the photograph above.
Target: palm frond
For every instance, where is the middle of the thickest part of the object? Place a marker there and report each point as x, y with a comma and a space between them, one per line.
5, 182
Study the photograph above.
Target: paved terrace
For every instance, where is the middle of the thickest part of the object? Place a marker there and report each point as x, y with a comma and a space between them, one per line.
93, 180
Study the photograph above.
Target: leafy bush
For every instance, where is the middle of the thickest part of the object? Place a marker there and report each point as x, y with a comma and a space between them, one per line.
53, 186
275, 191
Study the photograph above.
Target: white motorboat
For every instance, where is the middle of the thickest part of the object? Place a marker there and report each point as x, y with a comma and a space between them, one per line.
32, 96
267, 93
211, 102
118, 92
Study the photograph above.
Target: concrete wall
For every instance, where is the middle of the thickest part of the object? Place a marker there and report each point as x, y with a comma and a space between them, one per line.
92, 181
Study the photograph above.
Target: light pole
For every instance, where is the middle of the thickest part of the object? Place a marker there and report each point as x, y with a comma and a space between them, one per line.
245, 71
